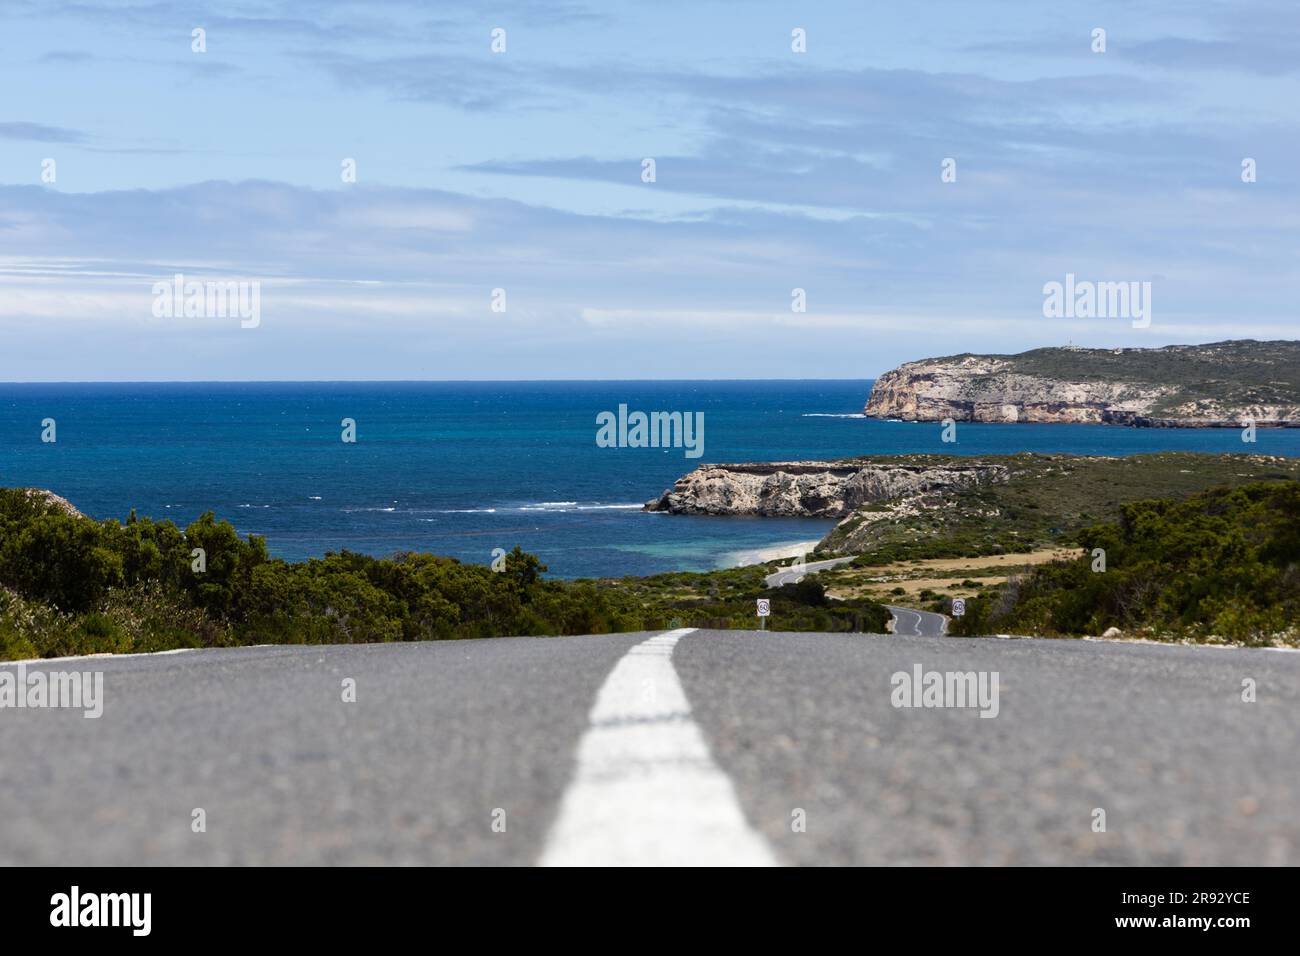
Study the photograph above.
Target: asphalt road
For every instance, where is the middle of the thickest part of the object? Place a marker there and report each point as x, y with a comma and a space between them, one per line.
692, 746
912, 623
788, 575
907, 622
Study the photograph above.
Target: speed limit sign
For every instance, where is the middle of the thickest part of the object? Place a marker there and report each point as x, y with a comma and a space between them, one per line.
958, 607
764, 607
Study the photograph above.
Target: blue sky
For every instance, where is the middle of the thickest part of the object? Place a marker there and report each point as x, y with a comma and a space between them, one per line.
522, 170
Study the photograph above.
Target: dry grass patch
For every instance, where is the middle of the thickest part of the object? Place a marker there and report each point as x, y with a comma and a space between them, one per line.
940, 575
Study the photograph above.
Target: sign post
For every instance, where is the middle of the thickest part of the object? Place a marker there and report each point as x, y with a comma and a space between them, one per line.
958, 607
764, 609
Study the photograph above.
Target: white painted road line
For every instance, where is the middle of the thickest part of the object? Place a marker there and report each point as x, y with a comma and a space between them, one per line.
645, 790
910, 623
102, 657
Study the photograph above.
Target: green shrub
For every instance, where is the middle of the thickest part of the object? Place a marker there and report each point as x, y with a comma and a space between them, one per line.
71, 585
1223, 563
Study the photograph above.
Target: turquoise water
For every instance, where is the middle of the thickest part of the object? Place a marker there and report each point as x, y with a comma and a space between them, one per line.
463, 468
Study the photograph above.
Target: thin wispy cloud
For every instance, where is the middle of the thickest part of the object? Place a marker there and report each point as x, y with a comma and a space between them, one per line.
523, 170
40, 133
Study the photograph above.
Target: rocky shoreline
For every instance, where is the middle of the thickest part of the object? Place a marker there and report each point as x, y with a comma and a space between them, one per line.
817, 489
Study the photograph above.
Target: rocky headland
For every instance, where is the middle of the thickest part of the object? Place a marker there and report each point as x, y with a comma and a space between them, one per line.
818, 489
1223, 384
939, 505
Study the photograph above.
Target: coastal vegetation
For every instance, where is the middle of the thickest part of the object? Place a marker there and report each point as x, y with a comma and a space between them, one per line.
1044, 503
73, 585
1019, 549
1222, 564
1196, 546
727, 599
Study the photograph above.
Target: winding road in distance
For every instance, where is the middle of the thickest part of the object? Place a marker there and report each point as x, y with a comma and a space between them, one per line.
914, 623
790, 575
907, 621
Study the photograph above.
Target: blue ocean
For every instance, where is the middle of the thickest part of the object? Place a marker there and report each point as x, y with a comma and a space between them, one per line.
461, 468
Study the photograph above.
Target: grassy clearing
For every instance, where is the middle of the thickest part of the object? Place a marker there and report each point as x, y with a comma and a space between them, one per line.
906, 582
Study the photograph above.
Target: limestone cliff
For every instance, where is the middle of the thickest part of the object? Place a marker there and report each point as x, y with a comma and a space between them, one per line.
1221, 384
817, 489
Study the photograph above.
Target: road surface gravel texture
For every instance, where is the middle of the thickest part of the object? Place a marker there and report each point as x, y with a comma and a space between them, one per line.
446, 739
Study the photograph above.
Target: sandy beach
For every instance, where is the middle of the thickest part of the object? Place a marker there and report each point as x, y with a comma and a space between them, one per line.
777, 552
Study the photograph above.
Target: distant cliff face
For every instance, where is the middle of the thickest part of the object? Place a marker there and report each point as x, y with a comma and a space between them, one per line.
1223, 384
815, 489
